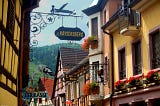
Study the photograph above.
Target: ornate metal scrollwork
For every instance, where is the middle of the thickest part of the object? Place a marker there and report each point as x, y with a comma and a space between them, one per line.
40, 20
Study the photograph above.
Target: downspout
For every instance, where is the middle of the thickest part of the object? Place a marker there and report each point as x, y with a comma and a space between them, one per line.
112, 59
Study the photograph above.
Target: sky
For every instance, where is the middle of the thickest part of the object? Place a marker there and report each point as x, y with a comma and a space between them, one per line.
46, 36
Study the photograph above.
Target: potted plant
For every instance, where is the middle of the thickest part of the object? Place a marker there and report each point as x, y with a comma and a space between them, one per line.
93, 42
90, 41
94, 88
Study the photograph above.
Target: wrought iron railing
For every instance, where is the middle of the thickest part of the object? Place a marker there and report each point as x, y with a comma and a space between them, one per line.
128, 17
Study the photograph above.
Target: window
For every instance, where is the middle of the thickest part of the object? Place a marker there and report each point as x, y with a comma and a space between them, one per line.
136, 57
95, 68
122, 64
155, 49
11, 16
94, 26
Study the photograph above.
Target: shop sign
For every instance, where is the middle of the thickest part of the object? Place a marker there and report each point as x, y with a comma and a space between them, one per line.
70, 77
35, 95
67, 33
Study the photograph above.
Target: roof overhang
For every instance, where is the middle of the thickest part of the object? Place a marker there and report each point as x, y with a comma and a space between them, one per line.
30, 4
141, 5
112, 24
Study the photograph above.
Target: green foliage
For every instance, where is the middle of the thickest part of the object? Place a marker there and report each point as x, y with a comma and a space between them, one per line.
33, 71
47, 55
93, 84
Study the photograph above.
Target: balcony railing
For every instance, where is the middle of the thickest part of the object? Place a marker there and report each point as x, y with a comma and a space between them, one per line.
129, 21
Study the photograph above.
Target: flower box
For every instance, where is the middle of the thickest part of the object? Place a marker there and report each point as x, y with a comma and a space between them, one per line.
120, 85
153, 76
95, 90
135, 82
91, 41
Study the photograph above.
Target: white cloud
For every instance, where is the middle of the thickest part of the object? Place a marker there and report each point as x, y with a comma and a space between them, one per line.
93, 3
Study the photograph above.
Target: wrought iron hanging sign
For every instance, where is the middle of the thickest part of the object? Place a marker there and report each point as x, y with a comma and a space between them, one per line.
40, 20
70, 77
67, 33
40, 94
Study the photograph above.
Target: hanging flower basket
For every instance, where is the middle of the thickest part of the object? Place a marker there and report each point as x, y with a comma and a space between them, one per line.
85, 44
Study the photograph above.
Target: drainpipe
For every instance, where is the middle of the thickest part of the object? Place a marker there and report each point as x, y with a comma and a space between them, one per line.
112, 72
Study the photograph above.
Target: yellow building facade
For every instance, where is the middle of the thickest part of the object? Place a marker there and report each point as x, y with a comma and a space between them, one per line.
10, 37
11, 50
149, 21
135, 31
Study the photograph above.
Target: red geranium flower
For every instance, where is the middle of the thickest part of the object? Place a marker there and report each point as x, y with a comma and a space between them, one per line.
150, 73
119, 82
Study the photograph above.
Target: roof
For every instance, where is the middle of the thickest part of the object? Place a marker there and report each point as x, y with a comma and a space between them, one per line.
71, 57
81, 63
47, 83
95, 7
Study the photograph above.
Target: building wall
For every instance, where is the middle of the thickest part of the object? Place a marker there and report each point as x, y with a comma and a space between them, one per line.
100, 42
9, 47
110, 8
149, 20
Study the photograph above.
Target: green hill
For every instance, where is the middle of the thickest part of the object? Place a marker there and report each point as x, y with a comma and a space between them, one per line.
46, 55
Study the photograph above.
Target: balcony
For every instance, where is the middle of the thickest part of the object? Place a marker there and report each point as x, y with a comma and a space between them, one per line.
129, 21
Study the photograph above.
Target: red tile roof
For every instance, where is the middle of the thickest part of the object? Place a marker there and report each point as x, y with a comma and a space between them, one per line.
47, 83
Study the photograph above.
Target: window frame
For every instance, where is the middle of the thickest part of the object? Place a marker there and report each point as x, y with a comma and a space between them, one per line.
93, 25
151, 33
11, 17
134, 43
95, 67
120, 62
